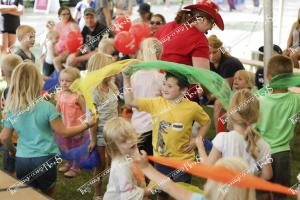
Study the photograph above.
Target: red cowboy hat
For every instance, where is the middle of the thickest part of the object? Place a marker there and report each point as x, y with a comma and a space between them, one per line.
210, 8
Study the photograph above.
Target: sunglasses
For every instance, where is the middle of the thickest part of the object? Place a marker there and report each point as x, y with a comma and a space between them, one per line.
157, 23
211, 20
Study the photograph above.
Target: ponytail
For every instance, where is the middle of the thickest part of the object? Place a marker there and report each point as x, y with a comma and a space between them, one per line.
252, 138
183, 16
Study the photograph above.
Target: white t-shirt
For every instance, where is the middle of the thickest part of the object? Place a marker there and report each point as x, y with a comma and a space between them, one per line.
145, 84
49, 56
233, 144
122, 185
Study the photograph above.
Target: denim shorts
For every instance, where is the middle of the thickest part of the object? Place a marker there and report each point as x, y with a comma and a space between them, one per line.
38, 172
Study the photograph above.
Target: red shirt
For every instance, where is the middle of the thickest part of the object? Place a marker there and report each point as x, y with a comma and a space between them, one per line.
181, 42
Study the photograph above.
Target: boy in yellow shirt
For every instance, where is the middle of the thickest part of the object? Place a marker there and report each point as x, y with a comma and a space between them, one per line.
172, 120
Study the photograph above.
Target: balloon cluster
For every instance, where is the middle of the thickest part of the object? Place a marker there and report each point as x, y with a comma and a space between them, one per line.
74, 41
129, 37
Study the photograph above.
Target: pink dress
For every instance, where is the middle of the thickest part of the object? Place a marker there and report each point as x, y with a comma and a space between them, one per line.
72, 116
63, 30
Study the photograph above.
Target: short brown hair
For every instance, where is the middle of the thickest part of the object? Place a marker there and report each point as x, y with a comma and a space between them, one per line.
22, 30
9, 63
279, 64
185, 16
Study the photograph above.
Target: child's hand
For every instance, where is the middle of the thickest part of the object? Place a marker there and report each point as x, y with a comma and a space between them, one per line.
91, 146
92, 121
189, 146
140, 159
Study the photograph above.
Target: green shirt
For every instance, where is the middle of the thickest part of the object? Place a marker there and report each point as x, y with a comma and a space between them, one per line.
34, 130
278, 117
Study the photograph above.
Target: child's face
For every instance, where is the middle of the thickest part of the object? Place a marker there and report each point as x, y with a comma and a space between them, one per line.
239, 82
28, 40
127, 147
54, 38
170, 89
65, 81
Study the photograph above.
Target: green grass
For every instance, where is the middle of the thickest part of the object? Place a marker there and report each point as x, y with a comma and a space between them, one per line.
66, 189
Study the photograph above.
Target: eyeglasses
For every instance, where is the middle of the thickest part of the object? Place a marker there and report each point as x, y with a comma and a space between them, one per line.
157, 23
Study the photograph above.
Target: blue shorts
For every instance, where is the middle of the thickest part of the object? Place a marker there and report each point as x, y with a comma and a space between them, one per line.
174, 174
37, 172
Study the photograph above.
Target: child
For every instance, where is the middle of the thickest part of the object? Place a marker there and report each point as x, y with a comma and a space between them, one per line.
72, 108
151, 50
106, 101
242, 140
106, 45
121, 143
26, 38
172, 119
211, 188
243, 80
8, 64
276, 111
50, 53
33, 118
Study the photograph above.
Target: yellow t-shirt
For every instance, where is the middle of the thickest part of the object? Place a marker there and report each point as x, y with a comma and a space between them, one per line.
172, 125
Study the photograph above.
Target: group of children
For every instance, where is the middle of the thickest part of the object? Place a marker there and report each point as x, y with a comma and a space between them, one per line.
161, 124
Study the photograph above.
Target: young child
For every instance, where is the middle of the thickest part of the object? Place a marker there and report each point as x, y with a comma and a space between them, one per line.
26, 38
151, 50
243, 80
105, 98
242, 140
72, 107
275, 126
50, 52
211, 188
106, 45
8, 64
172, 119
34, 120
121, 143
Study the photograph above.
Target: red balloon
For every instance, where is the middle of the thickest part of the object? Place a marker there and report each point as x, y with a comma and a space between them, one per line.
140, 31
121, 23
125, 42
74, 41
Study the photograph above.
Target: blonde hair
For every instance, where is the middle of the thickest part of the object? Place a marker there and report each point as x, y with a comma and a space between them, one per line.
249, 77
118, 130
104, 45
216, 43
98, 61
73, 72
234, 192
23, 30
151, 49
25, 88
9, 62
244, 111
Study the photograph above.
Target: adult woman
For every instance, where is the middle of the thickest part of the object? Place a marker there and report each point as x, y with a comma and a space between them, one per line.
66, 25
293, 43
156, 22
189, 26
10, 12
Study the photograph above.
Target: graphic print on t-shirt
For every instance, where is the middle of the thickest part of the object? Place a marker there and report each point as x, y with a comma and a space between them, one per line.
161, 146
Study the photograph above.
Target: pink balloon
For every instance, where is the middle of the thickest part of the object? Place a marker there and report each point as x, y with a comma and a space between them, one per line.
125, 42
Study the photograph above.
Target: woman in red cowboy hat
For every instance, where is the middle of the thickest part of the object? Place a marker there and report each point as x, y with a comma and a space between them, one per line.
184, 40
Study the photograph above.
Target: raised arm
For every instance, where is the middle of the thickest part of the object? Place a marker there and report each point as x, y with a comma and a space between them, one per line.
128, 95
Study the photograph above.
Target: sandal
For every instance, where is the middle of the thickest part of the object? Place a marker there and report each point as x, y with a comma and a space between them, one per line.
64, 168
73, 172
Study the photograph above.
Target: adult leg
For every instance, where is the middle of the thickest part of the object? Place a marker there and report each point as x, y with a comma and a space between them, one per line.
4, 42
11, 40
